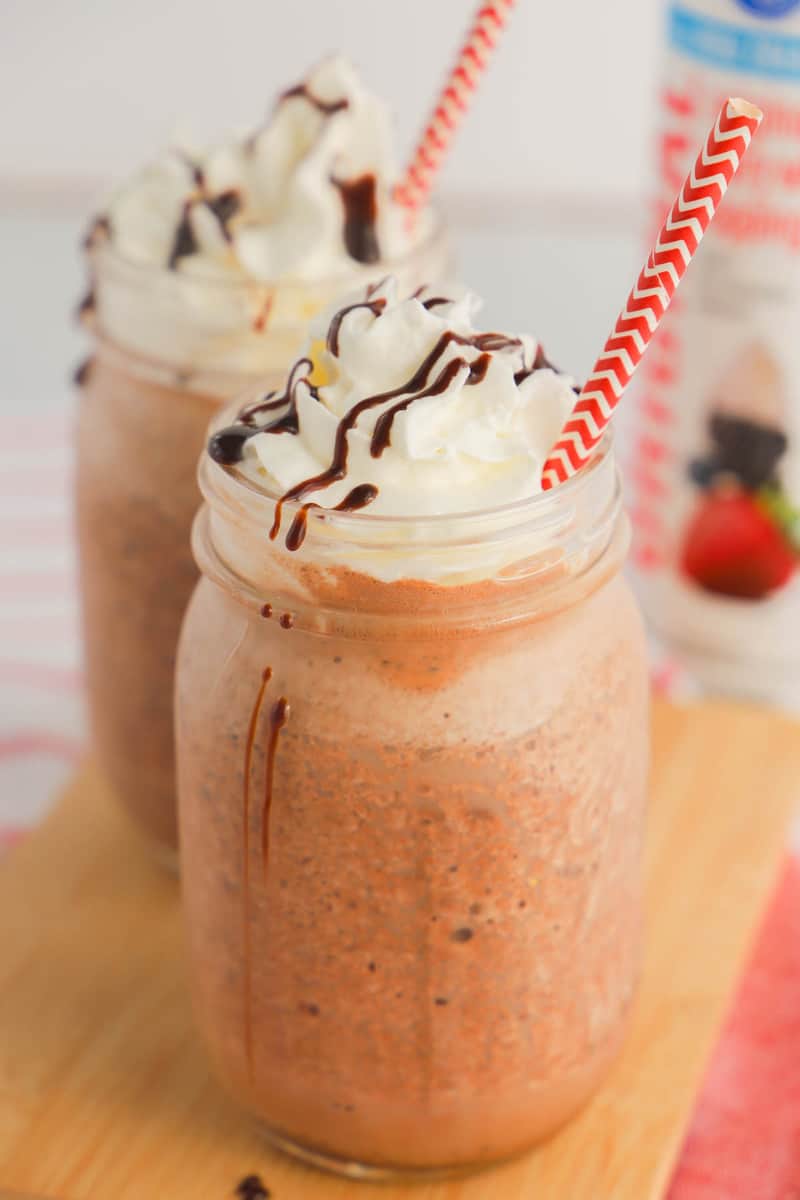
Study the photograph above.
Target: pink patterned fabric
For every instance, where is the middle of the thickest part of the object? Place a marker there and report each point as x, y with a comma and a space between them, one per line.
744, 1142
41, 703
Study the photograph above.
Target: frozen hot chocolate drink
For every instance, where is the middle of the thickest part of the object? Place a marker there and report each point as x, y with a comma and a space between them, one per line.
205, 269
412, 715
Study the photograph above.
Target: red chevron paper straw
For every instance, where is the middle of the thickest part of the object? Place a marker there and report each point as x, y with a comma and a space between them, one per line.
453, 102
687, 221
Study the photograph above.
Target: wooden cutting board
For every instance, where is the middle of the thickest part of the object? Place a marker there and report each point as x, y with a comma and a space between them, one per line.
104, 1091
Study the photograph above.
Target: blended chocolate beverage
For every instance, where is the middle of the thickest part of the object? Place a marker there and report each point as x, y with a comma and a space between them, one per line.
412, 748
205, 270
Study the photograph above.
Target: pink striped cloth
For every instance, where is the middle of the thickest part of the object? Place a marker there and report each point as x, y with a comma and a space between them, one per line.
744, 1142
42, 724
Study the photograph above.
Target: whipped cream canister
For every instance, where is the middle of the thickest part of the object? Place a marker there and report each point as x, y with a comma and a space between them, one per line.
714, 470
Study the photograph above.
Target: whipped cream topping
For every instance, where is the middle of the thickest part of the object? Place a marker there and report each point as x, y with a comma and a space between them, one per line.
402, 406
304, 196
213, 262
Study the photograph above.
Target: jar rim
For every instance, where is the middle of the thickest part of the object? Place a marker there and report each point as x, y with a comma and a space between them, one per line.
538, 507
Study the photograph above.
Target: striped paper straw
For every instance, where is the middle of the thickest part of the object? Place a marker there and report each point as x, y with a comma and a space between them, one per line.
453, 102
680, 235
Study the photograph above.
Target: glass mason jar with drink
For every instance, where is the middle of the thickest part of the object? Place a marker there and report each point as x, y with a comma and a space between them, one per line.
412, 726
205, 270
412, 747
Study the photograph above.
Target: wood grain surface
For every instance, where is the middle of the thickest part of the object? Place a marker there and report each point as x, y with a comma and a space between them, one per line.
104, 1090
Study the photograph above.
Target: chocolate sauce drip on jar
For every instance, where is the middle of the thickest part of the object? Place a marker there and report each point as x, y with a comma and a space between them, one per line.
360, 216
252, 730
80, 375
278, 718
184, 242
376, 307
326, 107
359, 497
382, 433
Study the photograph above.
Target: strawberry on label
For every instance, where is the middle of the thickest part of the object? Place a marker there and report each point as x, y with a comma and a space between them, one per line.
734, 546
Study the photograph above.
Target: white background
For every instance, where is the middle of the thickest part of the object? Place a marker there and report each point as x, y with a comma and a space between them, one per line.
88, 88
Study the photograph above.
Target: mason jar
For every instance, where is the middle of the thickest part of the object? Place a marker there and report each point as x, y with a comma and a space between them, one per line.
412, 762
169, 348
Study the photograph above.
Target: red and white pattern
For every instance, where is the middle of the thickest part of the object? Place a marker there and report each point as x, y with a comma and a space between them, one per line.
453, 102
680, 235
42, 725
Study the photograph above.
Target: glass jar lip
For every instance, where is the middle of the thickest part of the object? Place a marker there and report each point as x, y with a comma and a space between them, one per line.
541, 508
106, 256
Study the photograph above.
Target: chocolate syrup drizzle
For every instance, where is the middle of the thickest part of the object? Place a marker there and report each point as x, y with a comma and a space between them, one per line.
184, 242
433, 302
246, 940
358, 498
278, 719
359, 199
224, 206
288, 421
196, 172
99, 230
86, 305
326, 107
301, 91
382, 433
80, 375
226, 446
376, 307
413, 389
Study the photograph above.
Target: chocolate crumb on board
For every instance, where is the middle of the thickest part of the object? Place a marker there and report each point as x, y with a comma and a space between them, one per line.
252, 1187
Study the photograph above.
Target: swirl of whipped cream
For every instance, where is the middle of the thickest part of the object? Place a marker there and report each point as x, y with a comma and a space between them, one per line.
304, 197
213, 263
401, 405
